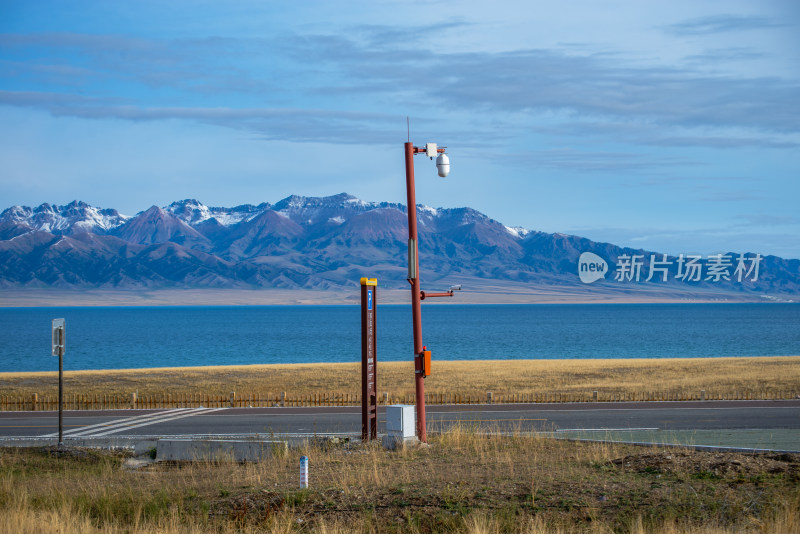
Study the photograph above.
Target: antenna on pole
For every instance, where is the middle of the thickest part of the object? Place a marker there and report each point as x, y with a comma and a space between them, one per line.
408, 127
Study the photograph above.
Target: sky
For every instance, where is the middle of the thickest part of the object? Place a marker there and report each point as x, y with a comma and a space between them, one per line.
669, 126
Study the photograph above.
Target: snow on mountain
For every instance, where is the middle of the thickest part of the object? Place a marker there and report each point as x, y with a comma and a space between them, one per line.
309, 211
193, 212
75, 217
78, 217
517, 231
433, 212
442, 219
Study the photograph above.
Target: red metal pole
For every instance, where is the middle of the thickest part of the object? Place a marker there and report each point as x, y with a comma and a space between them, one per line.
416, 309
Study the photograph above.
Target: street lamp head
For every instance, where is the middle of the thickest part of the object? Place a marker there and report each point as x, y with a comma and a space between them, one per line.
443, 165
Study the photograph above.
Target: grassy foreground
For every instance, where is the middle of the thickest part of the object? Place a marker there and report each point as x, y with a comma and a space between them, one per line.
462, 483
764, 376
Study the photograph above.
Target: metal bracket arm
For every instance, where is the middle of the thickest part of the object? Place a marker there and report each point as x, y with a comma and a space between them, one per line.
423, 294
418, 150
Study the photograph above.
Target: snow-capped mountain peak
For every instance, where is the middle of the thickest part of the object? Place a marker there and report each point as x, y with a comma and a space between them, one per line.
194, 212
189, 211
75, 217
307, 211
517, 231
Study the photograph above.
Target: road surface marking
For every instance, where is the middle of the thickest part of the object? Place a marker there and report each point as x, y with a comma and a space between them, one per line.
198, 411
118, 421
118, 425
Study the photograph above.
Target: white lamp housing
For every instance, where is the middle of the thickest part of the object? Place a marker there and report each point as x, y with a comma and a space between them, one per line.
443, 164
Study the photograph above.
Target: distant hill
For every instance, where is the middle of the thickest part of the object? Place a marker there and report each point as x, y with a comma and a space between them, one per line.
329, 243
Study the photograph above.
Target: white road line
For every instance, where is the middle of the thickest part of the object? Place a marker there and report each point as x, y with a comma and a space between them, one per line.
112, 427
200, 411
115, 422
145, 420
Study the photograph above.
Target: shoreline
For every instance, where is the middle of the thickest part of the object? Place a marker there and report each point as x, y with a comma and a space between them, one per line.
475, 292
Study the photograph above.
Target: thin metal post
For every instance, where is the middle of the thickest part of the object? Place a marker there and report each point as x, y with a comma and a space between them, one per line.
61, 394
416, 309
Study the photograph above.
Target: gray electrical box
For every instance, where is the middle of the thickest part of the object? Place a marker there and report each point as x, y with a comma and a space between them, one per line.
400, 421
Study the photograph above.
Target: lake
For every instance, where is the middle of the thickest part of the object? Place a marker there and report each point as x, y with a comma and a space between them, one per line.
137, 337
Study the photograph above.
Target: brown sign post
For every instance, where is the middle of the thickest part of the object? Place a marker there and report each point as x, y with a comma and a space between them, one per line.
369, 353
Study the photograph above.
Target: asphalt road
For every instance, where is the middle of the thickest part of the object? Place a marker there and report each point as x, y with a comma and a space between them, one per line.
579, 420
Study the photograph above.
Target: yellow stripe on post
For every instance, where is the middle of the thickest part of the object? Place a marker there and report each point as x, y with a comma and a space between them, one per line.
369, 281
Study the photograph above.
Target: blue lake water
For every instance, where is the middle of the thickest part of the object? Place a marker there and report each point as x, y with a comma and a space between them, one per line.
136, 337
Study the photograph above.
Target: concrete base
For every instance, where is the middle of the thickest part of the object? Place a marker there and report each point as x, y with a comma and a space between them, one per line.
172, 450
138, 443
145, 447
398, 443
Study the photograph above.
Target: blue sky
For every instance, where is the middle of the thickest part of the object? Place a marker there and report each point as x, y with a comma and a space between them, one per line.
671, 126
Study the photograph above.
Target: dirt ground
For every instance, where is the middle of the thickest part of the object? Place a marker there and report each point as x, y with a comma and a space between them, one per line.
718, 464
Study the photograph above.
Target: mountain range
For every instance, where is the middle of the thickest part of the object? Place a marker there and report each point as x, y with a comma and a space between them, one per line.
315, 242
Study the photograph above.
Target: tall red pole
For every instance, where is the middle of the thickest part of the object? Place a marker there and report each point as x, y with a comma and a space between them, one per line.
413, 278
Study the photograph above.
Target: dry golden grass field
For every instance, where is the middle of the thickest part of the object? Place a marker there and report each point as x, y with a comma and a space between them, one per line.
464, 482
526, 380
